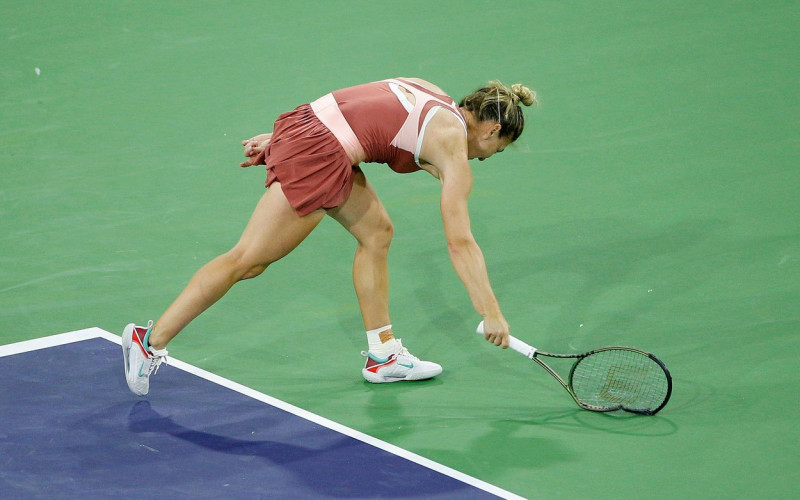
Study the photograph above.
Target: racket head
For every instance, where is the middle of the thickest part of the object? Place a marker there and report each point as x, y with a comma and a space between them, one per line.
620, 378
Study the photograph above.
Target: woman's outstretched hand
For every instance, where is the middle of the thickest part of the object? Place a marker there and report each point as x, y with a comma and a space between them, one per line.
496, 331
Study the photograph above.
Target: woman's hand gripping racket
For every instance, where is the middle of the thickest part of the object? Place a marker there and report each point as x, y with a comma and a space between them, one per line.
609, 378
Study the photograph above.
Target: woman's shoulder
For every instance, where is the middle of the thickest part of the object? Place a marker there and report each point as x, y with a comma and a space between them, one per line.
426, 84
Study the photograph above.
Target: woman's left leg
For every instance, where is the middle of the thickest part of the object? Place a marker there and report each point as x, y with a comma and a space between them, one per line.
274, 230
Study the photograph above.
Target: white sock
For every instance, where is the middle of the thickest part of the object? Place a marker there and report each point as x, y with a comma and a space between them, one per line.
378, 348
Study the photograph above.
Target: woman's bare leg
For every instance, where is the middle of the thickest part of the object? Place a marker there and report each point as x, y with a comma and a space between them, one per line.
365, 217
274, 230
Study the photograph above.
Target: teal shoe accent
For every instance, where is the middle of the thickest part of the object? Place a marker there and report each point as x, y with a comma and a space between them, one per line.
146, 339
376, 359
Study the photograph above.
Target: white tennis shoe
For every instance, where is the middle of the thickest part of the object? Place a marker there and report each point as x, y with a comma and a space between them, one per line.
141, 361
397, 367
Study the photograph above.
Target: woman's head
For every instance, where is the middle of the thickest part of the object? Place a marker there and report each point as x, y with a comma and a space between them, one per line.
497, 103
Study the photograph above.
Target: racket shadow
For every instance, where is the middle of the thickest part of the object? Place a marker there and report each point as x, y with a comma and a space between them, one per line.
615, 422
519, 450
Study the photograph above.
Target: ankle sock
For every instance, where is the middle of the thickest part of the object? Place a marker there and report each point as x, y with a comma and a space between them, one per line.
378, 348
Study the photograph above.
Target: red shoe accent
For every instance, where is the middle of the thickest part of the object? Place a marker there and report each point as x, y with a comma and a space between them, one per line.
137, 339
374, 366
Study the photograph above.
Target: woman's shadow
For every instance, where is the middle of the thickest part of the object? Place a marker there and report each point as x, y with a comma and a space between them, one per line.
338, 466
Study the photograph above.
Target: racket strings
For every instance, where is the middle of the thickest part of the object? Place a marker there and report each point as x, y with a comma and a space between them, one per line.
620, 378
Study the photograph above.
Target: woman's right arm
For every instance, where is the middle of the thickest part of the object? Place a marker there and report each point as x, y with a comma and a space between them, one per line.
445, 149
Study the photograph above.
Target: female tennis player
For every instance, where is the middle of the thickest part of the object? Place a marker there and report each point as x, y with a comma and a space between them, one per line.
312, 159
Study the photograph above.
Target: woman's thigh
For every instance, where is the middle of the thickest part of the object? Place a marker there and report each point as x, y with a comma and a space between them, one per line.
363, 214
274, 229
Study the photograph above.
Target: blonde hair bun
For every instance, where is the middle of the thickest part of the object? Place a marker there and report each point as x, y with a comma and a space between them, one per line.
499, 103
524, 94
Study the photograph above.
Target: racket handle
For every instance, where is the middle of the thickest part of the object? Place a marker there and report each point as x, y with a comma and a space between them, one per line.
521, 347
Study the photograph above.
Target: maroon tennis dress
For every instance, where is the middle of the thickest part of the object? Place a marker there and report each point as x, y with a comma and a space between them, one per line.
316, 148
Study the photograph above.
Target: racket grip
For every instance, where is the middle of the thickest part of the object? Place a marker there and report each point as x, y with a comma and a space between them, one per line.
516, 344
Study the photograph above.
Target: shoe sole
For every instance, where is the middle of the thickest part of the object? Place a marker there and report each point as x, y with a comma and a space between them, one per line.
127, 341
375, 378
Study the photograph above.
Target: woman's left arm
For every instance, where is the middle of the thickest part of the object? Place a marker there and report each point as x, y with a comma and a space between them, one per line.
254, 150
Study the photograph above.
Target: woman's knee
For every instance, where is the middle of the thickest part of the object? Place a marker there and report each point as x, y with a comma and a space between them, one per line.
380, 237
253, 272
242, 266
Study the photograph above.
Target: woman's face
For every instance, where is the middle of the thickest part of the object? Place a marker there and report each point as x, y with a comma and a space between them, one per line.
486, 141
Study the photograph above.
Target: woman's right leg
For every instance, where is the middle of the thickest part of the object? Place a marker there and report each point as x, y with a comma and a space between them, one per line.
274, 230
365, 217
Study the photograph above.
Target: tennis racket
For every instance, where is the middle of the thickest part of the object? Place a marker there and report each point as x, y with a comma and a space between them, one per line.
609, 378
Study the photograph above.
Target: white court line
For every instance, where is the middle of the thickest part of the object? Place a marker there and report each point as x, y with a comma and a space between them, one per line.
91, 333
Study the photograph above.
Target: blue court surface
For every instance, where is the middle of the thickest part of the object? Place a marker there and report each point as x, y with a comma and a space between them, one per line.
71, 429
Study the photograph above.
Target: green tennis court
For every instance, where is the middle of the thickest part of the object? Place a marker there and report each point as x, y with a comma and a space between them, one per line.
652, 201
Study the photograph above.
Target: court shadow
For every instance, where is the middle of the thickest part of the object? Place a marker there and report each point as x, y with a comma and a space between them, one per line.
495, 446
616, 422
545, 437
305, 465
604, 262
143, 418
590, 263
335, 466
